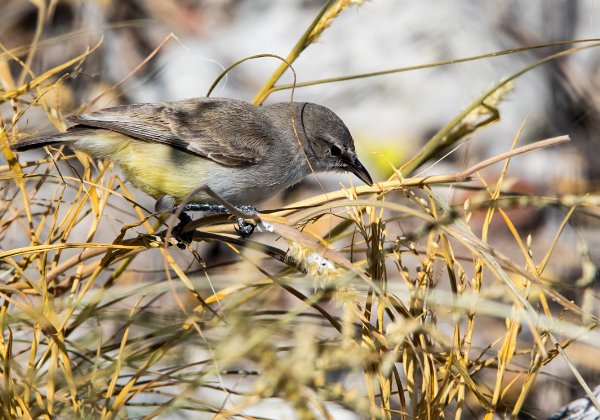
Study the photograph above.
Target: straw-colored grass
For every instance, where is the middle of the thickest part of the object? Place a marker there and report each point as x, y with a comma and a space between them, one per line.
382, 300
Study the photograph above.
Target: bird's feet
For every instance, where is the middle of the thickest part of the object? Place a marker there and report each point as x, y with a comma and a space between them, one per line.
242, 227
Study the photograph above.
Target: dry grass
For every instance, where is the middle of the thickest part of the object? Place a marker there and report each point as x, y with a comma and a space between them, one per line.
383, 300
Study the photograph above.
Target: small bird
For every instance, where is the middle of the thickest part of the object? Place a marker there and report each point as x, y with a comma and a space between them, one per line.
242, 152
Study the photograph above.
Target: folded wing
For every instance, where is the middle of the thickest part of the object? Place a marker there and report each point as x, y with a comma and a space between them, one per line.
227, 131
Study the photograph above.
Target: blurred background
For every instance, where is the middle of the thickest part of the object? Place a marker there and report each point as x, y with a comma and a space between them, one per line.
390, 116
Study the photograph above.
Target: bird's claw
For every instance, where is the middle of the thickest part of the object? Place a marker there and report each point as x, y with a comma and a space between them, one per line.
243, 228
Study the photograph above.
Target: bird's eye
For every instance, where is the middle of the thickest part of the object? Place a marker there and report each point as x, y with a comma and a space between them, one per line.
335, 151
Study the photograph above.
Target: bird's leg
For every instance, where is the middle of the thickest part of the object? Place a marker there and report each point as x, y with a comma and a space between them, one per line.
167, 204
247, 212
242, 227
215, 208
241, 213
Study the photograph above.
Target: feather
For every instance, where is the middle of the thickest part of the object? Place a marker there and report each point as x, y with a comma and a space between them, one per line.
229, 132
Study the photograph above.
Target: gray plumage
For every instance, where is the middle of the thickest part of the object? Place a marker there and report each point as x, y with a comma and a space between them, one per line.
245, 153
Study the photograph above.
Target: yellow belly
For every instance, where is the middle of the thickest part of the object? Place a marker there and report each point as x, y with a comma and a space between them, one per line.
155, 168
159, 170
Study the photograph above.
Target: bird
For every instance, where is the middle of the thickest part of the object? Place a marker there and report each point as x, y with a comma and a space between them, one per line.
243, 153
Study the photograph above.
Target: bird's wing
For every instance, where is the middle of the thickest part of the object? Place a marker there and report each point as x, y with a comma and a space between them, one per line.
227, 131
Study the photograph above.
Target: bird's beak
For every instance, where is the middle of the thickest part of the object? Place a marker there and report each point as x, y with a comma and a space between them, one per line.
360, 171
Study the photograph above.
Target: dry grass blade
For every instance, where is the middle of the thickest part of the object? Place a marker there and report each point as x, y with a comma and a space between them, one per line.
46, 76
327, 14
436, 64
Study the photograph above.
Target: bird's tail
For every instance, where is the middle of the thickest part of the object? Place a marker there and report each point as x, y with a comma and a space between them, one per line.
35, 142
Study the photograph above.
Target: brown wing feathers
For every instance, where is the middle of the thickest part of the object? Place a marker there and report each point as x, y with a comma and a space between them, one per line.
227, 131
212, 128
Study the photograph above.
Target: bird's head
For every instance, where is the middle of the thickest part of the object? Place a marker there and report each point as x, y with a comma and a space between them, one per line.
330, 145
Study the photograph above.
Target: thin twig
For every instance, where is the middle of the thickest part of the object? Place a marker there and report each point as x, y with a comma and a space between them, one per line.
132, 72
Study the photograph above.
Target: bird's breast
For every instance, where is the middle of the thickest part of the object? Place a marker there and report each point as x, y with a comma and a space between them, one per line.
159, 170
